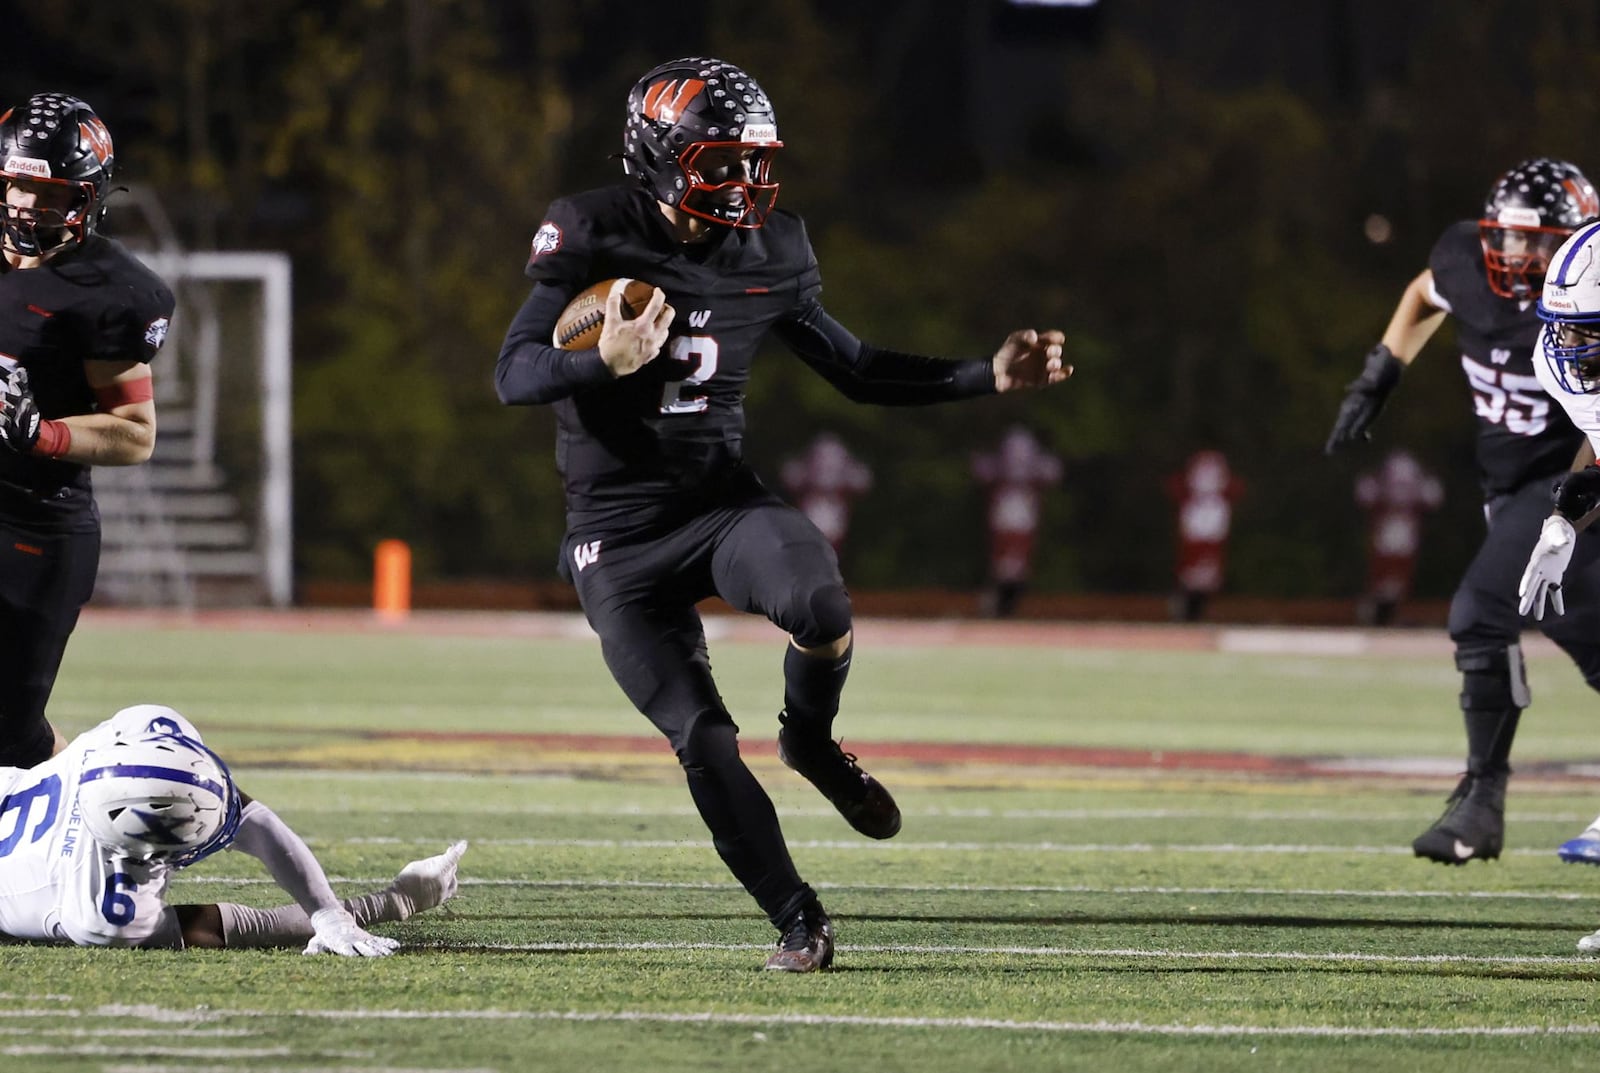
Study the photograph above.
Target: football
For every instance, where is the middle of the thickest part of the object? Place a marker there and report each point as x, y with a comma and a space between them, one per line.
578, 327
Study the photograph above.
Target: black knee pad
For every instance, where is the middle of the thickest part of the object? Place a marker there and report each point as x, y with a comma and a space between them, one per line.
1493, 677
710, 740
825, 611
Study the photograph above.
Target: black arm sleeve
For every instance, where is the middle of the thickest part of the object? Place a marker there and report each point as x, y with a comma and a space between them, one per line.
530, 370
865, 373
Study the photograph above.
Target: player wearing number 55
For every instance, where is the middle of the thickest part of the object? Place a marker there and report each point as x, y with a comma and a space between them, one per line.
662, 510
90, 838
1486, 273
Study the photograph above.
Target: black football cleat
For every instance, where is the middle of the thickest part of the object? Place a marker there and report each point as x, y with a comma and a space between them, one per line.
806, 945
1473, 826
860, 798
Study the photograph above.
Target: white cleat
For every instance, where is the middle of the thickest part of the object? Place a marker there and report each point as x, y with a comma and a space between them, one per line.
1589, 944
429, 882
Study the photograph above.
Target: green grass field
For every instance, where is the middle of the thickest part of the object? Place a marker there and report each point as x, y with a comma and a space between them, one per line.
1031, 916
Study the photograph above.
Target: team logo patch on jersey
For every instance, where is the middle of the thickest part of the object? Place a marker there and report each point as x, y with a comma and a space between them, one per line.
546, 240
156, 333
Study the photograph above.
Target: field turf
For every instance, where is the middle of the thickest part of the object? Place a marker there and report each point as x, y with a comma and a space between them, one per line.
1200, 860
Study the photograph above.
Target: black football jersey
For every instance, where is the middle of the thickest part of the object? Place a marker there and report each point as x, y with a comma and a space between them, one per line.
1522, 433
93, 302
641, 448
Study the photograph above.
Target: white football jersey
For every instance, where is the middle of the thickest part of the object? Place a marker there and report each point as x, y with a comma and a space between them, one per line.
58, 885
1583, 409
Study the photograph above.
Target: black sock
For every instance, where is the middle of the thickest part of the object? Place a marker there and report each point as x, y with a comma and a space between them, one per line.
811, 688
743, 824
1489, 735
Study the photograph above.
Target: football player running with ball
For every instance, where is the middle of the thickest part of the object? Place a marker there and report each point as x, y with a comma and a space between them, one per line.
662, 510
89, 840
1487, 274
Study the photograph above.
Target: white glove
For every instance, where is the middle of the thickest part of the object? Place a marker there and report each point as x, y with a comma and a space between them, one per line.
338, 933
429, 882
1546, 566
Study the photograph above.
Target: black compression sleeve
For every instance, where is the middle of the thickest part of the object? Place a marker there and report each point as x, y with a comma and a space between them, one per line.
530, 370
865, 373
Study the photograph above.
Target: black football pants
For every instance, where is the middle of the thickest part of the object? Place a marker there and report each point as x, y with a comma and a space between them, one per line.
44, 583
639, 594
1483, 613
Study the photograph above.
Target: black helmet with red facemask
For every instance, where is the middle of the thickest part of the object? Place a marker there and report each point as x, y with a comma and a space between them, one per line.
700, 137
56, 140
1528, 215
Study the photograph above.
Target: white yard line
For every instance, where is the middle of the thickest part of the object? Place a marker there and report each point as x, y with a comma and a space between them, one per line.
1078, 952
632, 811
937, 888
125, 1050
119, 1033
899, 846
1098, 1027
188, 1067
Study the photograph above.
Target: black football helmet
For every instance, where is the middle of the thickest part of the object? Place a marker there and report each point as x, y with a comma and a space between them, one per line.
1528, 215
681, 110
56, 139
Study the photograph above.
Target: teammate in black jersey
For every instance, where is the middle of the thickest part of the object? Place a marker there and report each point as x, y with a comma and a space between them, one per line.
662, 510
1487, 274
80, 320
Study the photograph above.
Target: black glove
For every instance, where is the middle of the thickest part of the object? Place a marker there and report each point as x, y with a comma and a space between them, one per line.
19, 414
1578, 493
1364, 398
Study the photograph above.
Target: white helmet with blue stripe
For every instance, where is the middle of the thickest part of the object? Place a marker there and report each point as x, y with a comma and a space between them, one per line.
161, 797
1569, 304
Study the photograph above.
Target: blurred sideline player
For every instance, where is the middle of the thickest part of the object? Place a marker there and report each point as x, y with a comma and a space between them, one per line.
90, 838
80, 320
1568, 365
1487, 274
662, 510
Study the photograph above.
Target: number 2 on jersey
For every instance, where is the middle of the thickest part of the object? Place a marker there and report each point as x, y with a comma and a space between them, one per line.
699, 353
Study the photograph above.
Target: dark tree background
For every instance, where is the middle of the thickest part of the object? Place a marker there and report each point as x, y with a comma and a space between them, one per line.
1185, 188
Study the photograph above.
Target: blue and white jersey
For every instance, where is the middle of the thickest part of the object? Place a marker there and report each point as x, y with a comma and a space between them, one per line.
1584, 410
56, 883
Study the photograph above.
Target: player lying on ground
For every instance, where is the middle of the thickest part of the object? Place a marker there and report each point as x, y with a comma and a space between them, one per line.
90, 838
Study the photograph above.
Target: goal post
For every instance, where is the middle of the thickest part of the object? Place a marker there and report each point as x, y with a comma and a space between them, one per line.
200, 393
